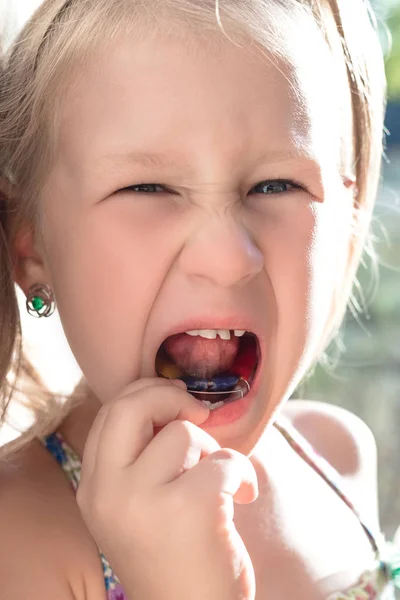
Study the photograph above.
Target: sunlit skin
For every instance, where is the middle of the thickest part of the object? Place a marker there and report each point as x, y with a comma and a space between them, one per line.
209, 241
125, 266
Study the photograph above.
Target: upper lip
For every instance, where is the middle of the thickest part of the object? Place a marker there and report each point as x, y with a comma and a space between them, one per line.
212, 322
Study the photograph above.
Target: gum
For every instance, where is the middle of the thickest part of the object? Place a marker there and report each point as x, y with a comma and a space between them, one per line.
230, 412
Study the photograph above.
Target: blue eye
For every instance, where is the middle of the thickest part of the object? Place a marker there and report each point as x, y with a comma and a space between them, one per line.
269, 187
273, 186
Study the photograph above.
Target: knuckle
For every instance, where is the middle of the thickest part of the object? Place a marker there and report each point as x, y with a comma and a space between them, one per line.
218, 462
227, 453
145, 395
116, 408
226, 457
183, 430
120, 404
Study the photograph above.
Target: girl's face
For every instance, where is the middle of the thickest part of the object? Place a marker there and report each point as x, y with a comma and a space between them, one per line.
209, 241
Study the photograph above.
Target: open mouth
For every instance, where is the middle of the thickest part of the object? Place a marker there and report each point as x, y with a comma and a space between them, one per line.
216, 371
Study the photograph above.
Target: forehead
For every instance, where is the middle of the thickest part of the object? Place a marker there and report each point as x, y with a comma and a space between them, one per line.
206, 103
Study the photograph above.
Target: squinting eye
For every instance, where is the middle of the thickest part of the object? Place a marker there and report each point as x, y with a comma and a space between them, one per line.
272, 186
134, 188
269, 187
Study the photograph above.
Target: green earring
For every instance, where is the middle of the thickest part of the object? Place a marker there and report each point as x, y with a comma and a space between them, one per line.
40, 301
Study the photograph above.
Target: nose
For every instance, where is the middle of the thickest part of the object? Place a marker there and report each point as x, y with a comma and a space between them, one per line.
222, 252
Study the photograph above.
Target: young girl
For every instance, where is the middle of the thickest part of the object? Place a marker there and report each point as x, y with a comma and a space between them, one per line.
191, 184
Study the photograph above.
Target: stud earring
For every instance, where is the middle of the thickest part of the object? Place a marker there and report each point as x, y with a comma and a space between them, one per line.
40, 301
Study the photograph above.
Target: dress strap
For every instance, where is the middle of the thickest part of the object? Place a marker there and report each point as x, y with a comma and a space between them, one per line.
65, 456
332, 477
71, 465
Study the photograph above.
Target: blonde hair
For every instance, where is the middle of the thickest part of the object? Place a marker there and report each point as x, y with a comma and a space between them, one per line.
55, 44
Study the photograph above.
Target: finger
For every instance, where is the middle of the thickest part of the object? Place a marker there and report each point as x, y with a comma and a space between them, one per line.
178, 447
90, 450
225, 471
129, 424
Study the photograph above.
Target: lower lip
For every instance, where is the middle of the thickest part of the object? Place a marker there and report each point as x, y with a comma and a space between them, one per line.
232, 412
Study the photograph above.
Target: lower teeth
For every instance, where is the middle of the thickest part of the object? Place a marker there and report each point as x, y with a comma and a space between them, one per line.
213, 406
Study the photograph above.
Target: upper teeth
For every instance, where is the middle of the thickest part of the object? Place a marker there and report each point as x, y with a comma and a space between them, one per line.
211, 334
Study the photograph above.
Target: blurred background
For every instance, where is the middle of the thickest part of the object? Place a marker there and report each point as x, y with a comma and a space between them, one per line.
365, 378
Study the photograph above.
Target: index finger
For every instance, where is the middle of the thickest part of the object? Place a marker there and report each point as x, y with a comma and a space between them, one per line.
92, 441
130, 423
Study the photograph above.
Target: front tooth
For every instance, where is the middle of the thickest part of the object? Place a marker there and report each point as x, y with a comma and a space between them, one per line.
239, 332
209, 334
224, 334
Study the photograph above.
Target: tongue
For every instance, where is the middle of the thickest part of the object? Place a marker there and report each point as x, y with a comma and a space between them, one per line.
200, 357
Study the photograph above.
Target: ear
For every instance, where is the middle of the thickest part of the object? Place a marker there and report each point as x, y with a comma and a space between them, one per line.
28, 265
28, 260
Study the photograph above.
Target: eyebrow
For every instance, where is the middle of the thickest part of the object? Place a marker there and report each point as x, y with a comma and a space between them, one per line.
144, 159
162, 161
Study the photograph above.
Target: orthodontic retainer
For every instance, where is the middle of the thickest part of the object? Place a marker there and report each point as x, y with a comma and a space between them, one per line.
217, 385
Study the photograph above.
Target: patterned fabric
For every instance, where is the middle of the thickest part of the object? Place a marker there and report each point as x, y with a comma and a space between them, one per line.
377, 583
71, 465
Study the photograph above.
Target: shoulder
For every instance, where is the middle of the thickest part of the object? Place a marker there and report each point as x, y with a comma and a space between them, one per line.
339, 435
43, 541
346, 442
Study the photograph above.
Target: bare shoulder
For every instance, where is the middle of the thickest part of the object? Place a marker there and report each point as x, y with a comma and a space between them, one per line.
346, 442
337, 434
44, 544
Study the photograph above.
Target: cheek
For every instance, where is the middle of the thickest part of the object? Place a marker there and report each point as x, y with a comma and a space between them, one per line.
107, 269
305, 253
328, 257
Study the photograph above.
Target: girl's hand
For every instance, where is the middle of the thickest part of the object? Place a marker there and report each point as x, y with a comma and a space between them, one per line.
157, 494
